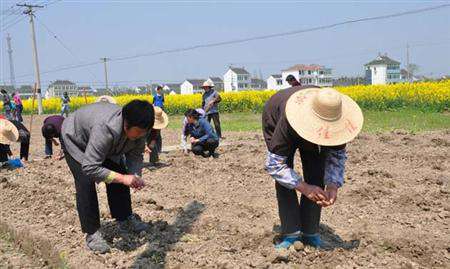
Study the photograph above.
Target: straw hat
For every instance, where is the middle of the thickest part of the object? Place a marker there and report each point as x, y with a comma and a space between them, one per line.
324, 116
8, 132
208, 84
107, 99
161, 119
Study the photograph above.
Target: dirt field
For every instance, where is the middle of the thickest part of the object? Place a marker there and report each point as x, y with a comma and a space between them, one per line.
393, 211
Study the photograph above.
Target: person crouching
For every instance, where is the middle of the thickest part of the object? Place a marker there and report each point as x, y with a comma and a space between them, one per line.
204, 140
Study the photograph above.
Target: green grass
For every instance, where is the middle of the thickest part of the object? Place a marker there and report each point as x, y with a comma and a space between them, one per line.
374, 121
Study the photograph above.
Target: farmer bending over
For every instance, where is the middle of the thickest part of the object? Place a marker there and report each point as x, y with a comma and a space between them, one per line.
204, 140
97, 139
12, 131
51, 130
317, 123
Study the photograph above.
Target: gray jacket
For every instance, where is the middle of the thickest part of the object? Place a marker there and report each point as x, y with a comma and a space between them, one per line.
95, 133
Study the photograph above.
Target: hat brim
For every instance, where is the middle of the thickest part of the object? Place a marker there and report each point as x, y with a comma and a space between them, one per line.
309, 126
158, 125
106, 98
6, 140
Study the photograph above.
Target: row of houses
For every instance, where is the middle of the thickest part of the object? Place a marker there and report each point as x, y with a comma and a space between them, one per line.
381, 70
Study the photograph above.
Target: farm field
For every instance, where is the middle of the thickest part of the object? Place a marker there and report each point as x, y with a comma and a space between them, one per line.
393, 211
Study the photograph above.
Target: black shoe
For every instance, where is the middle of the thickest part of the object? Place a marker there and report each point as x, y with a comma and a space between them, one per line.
206, 154
215, 155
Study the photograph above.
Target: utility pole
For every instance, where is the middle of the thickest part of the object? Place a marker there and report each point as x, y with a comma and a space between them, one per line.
11, 65
408, 72
29, 11
106, 71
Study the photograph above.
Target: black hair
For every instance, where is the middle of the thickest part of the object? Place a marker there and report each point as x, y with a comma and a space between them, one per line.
139, 113
192, 113
290, 78
3, 91
49, 131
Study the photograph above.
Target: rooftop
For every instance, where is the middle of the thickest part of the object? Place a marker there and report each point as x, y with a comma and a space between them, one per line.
196, 82
383, 59
306, 67
239, 71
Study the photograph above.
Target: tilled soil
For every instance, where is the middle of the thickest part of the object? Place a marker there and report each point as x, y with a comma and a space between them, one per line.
393, 211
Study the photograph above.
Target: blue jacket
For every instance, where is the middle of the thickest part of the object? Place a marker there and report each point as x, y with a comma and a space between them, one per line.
158, 100
201, 131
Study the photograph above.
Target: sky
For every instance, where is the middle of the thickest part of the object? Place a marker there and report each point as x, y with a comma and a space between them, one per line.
93, 29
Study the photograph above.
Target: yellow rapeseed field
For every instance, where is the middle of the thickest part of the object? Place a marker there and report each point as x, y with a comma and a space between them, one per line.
433, 96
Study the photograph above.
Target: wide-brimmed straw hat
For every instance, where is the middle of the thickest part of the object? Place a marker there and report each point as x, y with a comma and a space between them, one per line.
107, 99
208, 84
8, 132
324, 116
161, 118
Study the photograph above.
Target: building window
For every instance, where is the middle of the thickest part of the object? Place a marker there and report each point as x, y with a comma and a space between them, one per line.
309, 72
279, 82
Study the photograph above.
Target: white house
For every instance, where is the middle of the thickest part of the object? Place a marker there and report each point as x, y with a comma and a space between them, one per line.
275, 82
58, 87
191, 86
258, 84
218, 83
382, 70
172, 88
312, 74
236, 79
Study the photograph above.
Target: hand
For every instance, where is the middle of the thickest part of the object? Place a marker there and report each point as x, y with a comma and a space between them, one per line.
194, 140
147, 149
331, 191
55, 142
133, 181
314, 193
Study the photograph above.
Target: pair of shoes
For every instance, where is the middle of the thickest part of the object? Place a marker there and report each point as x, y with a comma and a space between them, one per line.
95, 242
133, 224
286, 242
312, 240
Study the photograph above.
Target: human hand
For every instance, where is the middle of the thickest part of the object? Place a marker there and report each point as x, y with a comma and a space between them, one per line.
55, 142
133, 181
312, 192
194, 140
331, 191
148, 149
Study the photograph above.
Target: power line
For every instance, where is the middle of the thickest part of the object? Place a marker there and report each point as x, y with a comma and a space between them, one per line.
237, 41
13, 22
62, 43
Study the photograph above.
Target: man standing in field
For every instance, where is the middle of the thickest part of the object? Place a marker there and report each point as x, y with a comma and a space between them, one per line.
210, 104
107, 148
317, 123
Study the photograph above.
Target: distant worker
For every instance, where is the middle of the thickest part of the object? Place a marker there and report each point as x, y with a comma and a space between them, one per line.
65, 107
210, 104
204, 140
12, 131
161, 122
292, 81
158, 101
7, 106
317, 123
19, 107
185, 125
51, 130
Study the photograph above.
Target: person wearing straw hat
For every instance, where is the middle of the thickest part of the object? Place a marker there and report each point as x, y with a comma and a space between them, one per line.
104, 142
318, 123
106, 99
158, 101
161, 122
210, 104
12, 131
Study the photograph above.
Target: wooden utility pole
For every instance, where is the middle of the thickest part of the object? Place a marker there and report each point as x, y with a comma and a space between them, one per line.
408, 71
30, 12
11, 65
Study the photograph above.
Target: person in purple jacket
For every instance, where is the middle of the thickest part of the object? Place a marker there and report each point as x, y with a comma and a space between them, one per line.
51, 130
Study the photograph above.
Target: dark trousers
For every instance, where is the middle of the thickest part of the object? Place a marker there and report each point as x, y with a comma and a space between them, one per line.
24, 138
209, 145
215, 117
119, 198
159, 142
154, 155
48, 147
303, 215
19, 109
